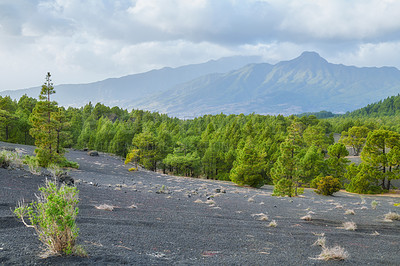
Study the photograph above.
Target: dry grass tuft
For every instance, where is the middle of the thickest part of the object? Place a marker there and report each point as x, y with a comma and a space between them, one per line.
392, 216
333, 253
273, 223
375, 233
251, 199
306, 217
321, 241
349, 211
105, 207
198, 201
261, 216
210, 202
133, 206
350, 226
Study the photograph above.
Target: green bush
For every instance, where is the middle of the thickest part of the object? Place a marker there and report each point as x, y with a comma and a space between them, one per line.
53, 218
328, 185
33, 164
314, 182
68, 164
284, 187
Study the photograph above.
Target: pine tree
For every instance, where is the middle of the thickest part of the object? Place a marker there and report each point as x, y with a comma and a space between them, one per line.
44, 126
286, 171
248, 167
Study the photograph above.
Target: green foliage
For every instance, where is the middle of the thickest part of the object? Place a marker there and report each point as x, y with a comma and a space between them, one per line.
328, 185
381, 153
365, 181
68, 164
53, 217
33, 164
355, 138
46, 126
248, 167
337, 162
287, 169
284, 187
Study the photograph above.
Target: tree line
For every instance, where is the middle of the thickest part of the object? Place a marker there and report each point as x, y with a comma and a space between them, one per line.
289, 152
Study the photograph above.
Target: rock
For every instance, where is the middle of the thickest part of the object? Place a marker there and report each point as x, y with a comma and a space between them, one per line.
66, 179
217, 190
93, 153
85, 149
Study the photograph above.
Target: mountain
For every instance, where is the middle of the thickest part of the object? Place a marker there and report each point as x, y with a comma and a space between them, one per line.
307, 83
125, 90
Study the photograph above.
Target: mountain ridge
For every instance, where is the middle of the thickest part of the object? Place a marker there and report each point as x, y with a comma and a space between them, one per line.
307, 83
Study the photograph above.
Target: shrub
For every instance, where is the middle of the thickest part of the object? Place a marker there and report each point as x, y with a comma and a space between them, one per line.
33, 164
328, 185
314, 182
68, 164
284, 187
55, 170
9, 159
53, 218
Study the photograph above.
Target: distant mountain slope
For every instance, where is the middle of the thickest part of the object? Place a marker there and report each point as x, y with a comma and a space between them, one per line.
305, 84
120, 91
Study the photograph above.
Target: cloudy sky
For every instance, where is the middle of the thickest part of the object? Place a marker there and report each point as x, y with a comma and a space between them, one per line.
81, 41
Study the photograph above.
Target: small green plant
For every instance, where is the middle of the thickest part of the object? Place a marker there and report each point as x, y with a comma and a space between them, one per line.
33, 164
374, 204
53, 217
133, 169
328, 185
397, 204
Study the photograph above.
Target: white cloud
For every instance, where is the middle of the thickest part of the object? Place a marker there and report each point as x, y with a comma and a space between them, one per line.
373, 55
82, 41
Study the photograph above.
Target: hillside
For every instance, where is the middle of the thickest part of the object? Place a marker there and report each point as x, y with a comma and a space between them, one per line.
387, 107
305, 84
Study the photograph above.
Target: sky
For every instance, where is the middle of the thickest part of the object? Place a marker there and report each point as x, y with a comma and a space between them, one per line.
81, 41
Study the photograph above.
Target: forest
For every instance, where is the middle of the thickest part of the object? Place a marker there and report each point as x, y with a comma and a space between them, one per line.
289, 152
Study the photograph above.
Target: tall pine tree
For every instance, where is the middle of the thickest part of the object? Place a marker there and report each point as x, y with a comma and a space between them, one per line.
45, 126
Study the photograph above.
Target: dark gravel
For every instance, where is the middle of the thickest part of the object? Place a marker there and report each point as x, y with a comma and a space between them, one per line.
169, 227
